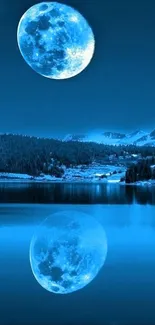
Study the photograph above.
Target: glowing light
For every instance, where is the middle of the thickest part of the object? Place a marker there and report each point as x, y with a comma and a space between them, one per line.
74, 18
86, 277
77, 47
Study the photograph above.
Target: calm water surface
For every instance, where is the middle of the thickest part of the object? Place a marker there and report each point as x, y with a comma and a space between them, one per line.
75, 193
124, 290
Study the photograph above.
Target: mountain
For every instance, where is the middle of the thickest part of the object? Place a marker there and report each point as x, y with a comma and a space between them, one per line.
110, 138
138, 137
75, 137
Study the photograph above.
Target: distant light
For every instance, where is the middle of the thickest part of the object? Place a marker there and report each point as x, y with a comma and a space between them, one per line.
99, 175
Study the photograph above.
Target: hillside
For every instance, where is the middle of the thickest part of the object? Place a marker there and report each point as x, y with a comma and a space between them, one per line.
33, 156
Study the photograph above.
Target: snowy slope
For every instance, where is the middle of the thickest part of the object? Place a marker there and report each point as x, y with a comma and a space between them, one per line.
139, 138
110, 138
92, 173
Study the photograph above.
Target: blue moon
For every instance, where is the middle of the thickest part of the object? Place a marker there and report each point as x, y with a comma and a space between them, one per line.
67, 251
55, 40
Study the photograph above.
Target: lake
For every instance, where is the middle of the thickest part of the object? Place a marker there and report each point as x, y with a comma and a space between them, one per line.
75, 193
123, 292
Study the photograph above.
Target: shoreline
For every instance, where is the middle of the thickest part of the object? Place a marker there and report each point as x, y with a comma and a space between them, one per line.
57, 181
107, 175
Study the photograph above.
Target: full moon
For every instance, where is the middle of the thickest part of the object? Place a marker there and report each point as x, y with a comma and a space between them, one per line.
55, 40
67, 251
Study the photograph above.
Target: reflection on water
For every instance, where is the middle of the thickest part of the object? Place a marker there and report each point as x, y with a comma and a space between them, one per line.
123, 292
67, 251
75, 193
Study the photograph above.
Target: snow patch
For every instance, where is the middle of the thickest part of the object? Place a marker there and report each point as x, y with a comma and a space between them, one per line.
139, 138
92, 173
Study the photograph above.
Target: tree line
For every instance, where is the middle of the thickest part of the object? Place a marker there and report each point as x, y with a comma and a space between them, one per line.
143, 170
33, 156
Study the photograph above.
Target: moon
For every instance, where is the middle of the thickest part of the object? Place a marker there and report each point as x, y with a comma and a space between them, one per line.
55, 40
67, 251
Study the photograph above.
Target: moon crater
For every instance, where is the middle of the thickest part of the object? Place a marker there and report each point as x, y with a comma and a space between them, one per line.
55, 40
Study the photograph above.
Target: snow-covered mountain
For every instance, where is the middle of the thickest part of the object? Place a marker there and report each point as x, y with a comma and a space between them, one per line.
138, 137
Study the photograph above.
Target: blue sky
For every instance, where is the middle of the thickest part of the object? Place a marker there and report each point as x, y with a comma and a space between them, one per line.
115, 92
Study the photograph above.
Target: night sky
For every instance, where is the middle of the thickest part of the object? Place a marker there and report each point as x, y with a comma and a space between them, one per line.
115, 92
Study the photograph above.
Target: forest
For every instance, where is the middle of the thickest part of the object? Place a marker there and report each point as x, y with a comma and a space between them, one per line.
143, 170
33, 156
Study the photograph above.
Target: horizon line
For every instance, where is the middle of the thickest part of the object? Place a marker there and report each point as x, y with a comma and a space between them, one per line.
60, 137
